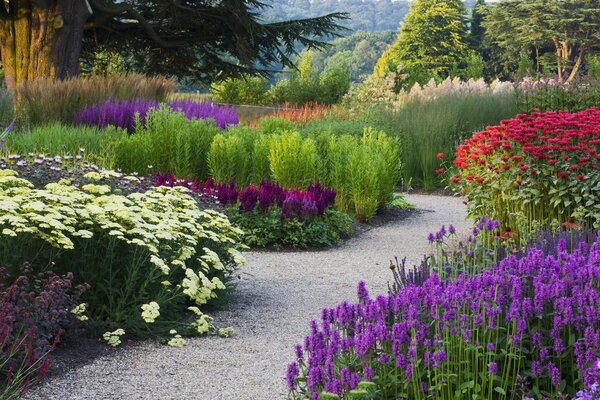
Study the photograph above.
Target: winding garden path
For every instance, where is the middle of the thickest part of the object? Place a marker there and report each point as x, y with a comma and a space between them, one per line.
277, 296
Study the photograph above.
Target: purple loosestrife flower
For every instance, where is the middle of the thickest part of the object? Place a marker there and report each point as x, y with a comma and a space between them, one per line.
115, 112
362, 292
223, 116
512, 297
292, 373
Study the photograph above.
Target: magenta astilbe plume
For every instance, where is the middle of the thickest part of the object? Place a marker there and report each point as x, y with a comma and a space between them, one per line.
294, 203
324, 197
248, 198
227, 193
270, 194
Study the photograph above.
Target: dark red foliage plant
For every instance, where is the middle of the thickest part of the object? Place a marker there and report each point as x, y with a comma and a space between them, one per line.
35, 311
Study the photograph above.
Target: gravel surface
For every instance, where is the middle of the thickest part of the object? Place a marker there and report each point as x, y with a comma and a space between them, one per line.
278, 295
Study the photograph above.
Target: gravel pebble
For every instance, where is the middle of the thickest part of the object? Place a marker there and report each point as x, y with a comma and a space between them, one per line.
277, 296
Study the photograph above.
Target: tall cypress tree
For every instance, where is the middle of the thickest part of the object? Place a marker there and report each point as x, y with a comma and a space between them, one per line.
432, 41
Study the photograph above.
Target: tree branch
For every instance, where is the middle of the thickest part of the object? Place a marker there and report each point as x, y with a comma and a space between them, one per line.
123, 8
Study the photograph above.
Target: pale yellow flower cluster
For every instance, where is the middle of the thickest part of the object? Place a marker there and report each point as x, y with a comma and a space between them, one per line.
176, 340
79, 312
166, 222
150, 312
113, 338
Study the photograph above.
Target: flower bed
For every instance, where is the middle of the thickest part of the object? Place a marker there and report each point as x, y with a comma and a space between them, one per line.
533, 170
147, 256
270, 215
528, 327
123, 113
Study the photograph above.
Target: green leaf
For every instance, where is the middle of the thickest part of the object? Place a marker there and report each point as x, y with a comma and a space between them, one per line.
498, 389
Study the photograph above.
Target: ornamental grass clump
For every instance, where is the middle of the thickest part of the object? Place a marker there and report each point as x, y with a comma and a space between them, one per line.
526, 327
533, 170
152, 248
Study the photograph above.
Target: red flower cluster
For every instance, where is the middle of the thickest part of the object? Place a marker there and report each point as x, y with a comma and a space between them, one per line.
569, 141
550, 160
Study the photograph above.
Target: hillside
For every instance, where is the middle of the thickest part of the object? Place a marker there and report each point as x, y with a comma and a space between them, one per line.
367, 15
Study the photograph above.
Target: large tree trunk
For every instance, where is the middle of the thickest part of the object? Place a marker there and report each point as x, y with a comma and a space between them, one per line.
41, 39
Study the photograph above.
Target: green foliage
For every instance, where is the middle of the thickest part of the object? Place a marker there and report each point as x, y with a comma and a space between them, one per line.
245, 90
525, 66
476, 29
432, 39
475, 66
357, 53
269, 229
167, 142
273, 125
364, 171
57, 139
228, 160
203, 40
335, 127
362, 168
308, 86
294, 162
594, 67
152, 249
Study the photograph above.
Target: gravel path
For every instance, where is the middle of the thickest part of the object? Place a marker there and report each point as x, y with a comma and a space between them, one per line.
278, 295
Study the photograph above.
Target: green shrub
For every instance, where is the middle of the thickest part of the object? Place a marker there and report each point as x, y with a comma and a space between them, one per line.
59, 139
140, 253
167, 142
336, 127
47, 100
228, 159
294, 162
308, 86
363, 183
363, 171
273, 125
246, 90
261, 167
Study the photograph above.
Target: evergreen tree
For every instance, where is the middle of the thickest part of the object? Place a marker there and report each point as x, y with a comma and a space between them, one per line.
432, 41
567, 28
477, 30
199, 38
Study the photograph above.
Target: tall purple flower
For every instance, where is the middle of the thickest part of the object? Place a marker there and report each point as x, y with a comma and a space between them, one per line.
248, 197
